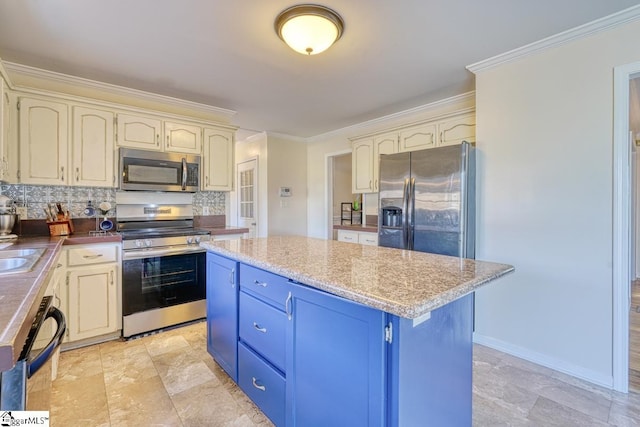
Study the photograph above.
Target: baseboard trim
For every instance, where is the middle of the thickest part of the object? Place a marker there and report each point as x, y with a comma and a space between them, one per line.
546, 361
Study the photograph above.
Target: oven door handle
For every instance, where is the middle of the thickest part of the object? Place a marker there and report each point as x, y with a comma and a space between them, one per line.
150, 253
35, 363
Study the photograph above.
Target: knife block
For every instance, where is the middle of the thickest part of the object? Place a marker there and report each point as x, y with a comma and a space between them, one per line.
60, 228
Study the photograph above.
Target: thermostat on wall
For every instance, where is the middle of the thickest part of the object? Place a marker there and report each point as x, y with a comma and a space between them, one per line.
285, 191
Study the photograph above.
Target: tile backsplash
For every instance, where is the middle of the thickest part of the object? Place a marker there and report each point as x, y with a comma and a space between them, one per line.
36, 197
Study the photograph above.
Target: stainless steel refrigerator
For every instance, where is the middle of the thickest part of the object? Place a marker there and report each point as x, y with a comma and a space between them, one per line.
427, 200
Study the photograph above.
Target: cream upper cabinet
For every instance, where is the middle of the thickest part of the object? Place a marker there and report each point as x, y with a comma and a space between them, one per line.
382, 144
218, 160
418, 137
182, 138
139, 132
362, 166
93, 148
456, 130
4, 129
43, 142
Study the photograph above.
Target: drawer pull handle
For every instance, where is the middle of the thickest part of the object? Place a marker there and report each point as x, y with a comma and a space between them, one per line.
263, 284
232, 276
92, 256
287, 308
259, 329
256, 385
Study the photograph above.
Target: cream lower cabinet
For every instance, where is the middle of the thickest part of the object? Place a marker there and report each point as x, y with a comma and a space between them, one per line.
217, 162
92, 291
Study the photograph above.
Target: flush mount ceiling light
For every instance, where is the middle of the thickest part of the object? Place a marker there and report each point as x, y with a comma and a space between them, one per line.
309, 28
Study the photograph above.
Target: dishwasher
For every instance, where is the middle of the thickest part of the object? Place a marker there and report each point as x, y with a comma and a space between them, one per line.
27, 386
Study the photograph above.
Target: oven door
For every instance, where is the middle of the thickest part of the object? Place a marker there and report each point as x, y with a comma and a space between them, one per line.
161, 281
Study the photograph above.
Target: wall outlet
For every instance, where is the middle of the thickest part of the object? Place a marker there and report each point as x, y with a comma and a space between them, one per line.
205, 210
21, 211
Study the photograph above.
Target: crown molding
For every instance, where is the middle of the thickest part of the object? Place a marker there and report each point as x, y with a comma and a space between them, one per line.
585, 30
115, 90
384, 121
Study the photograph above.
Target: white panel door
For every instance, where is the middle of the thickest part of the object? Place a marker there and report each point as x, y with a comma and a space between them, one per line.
248, 196
43, 142
93, 148
382, 144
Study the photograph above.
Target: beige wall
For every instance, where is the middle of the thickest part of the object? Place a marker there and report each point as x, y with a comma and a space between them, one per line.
544, 138
281, 163
341, 183
287, 168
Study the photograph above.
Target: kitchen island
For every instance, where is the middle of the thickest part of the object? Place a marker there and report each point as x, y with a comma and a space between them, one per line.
320, 332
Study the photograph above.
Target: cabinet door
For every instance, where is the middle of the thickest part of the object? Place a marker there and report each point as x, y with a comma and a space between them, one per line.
93, 302
218, 160
347, 236
362, 166
43, 142
335, 361
139, 132
418, 137
382, 144
4, 124
370, 239
458, 129
93, 148
182, 138
222, 312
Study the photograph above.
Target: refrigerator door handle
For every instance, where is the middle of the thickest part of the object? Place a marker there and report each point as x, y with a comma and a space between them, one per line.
410, 211
405, 209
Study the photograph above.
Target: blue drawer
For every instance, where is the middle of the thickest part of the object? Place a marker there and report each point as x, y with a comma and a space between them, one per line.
263, 328
272, 288
263, 384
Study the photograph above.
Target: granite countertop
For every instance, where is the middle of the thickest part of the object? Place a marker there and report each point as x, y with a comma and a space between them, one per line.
405, 283
21, 293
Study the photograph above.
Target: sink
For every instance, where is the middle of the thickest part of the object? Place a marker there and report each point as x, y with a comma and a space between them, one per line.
11, 263
12, 253
19, 260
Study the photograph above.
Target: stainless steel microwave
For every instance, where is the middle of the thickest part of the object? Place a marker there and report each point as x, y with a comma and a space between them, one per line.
156, 171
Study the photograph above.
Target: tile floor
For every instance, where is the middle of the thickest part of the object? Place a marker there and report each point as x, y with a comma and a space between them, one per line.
170, 379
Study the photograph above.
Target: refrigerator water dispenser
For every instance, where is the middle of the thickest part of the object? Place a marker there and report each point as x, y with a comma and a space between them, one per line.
391, 216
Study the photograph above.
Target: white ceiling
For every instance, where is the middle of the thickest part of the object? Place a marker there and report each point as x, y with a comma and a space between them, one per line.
393, 55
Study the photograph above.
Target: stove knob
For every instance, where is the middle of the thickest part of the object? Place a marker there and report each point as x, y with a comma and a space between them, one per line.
189, 240
197, 240
139, 243
147, 242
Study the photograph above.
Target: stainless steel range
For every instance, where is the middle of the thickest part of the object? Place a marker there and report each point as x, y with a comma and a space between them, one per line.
163, 265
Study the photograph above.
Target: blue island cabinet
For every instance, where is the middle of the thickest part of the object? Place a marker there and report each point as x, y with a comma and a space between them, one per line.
222, 312
309, 358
